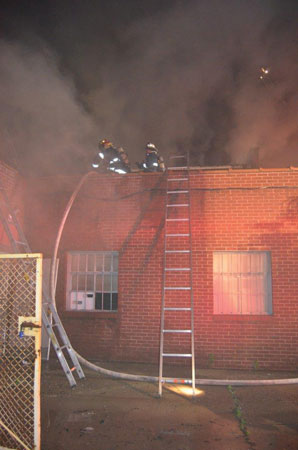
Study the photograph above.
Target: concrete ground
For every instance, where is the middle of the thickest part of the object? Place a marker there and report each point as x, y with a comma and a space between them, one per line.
108, 414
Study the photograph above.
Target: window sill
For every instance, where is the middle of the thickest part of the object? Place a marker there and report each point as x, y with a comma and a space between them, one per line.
90, 314
253, 318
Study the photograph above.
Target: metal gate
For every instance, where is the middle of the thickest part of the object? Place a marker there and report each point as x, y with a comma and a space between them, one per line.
20, 335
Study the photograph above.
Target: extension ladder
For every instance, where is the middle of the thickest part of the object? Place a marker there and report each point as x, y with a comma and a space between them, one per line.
177, 295
19, 244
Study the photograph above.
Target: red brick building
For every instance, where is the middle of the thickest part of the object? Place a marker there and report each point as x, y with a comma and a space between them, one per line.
244, 226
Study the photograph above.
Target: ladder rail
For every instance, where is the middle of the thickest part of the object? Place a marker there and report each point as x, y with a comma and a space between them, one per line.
193, 366
162, 318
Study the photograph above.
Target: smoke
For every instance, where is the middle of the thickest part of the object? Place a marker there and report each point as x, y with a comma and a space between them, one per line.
44, 129
188, 78
184, 75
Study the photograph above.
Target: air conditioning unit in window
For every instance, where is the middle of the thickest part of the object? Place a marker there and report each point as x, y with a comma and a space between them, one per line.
89, 301
82, 300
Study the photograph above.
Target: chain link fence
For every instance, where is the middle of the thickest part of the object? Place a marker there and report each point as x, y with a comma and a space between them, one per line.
20, 299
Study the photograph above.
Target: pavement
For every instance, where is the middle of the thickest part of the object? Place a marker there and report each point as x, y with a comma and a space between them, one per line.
107, 414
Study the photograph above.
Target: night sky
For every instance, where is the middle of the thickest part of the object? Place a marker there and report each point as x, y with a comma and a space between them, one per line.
181, 74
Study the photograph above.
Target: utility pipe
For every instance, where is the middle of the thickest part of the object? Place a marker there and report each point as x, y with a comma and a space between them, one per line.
131, 377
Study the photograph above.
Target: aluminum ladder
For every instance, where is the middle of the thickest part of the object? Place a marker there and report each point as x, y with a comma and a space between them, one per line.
20, 244
177, 291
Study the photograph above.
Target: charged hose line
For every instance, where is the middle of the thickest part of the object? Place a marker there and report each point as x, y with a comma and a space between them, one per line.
127, 376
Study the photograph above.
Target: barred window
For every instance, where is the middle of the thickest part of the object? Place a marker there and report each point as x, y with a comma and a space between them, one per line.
242, 282
92, 281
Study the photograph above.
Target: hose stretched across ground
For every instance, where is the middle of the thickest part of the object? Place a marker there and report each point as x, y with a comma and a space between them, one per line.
131, 377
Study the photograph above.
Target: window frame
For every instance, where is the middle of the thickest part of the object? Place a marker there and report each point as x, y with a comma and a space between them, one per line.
259, 302
87, 269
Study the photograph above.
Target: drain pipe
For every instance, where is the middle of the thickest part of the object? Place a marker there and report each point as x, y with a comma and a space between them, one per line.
131, 377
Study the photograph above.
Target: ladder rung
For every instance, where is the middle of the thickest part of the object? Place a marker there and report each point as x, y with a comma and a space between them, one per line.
21, 243
174, 205
178, 156
177, 251
176, 309
178, 192
183, 219
177, 331
177, 179
177, 288
177, 268
63, 346
179, 234
182, 355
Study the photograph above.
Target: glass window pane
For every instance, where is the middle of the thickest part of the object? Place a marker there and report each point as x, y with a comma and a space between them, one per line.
254, 263
82, 263
90, 266
74, 263
108, 262
98, 300
225, 262
81, 282
99, 262
90, 283
245, 260
107, 283
74, 281
233, 263
114, 302
115, 263
216, 263
115, 282
107, 301
98, 284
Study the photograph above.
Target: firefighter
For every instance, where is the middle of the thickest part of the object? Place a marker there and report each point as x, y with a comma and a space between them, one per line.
113, 159
153, 162
124, 158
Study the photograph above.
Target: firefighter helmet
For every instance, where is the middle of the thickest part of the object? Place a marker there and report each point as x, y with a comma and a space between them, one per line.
150, 146
105, 143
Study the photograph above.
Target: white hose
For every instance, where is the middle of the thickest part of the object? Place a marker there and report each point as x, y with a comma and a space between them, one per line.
131, 377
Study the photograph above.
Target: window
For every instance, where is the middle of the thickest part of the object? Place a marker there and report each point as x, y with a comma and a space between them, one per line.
242, 282
92, 281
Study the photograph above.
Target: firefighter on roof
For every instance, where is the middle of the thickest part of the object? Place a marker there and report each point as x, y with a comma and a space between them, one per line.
111, 158
152, 162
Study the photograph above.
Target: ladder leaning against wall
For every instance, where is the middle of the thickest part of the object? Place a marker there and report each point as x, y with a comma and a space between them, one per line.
177, 292
19, 244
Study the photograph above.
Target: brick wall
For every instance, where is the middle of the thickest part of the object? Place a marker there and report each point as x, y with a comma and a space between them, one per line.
231, 210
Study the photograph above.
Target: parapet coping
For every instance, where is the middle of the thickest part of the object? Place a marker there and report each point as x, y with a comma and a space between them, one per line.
217, 169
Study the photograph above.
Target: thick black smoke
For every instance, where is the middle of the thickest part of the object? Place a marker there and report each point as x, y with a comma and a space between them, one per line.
184, 76
44, 129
